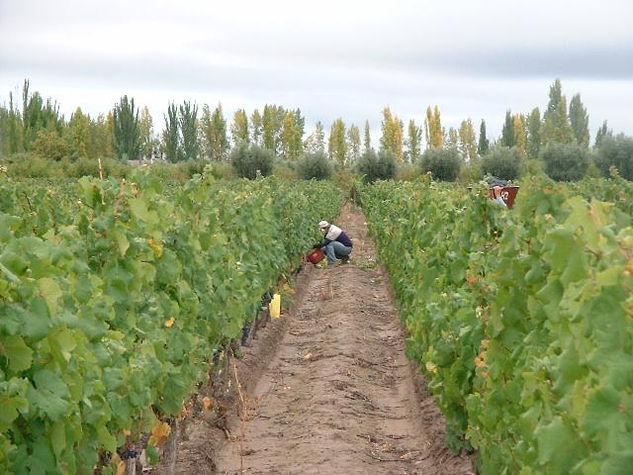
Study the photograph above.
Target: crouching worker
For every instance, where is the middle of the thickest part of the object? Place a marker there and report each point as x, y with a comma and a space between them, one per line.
335, 244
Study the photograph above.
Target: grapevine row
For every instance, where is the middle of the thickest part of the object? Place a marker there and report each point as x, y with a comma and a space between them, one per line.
114, 296
522, 319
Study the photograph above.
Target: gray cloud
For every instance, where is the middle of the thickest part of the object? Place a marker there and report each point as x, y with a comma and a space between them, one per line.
331, 59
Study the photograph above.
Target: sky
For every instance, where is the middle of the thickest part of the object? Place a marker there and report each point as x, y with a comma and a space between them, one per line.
345, 58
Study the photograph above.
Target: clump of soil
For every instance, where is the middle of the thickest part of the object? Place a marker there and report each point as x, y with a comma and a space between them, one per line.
326, 388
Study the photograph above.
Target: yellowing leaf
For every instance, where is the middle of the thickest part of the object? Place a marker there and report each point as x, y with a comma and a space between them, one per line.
160, 432
156, 247
207, 403
170, 322
120, 468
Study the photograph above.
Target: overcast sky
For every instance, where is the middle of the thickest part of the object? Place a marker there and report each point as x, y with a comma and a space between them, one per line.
345, 58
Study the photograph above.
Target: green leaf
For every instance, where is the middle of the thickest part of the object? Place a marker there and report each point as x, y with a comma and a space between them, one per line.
42, 460
152, 454
610, 276
618, 464
603, 416
37, 322
576, 267
106, 439
559, 448
50, 290
139, 209
580, 217
569, 368
551, 293
49, 394
559, 244
10, 406
19, 355
121, 239
58, 437
64, 342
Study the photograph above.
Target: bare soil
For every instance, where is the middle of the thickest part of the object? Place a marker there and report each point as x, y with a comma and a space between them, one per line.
326, 388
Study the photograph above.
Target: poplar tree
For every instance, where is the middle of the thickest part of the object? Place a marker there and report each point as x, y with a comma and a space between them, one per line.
289, 149
534, 133
171, 135
37, 115
484, 144
414, 142
337, 146
146, 128
452, 140
392, 134
556, 125
300, 122
239, 127
367, 138
315, 142
256, 127
579, 121
78, 133
272, 122
4, 131
319, 137
188, 122
467, 140
268, 128
520, 133
216, 143
602, 132
101, 137
15, 142
126, 129
353, 141
433, 128
508, 137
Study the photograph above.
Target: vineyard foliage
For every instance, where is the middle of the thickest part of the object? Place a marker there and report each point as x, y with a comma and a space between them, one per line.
522, 319
114, 296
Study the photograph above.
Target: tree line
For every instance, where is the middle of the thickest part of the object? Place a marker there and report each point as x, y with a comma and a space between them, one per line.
35, 125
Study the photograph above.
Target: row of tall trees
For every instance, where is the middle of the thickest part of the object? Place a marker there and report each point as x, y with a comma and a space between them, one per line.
559, 124
36, 125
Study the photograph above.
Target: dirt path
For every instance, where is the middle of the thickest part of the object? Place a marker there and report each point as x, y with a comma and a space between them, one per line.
338, 395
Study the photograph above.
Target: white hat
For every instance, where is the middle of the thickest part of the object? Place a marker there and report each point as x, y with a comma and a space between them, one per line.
323, 224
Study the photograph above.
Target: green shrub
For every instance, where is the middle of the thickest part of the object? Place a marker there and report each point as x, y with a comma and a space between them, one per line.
83, 167
49, 144
470, 172
249, 160
314, 165
110, 167
444, 164
381, 166
219, 170
285, 169
616, 152
565, 162
407, 172
502, 162
532, 167
27, 165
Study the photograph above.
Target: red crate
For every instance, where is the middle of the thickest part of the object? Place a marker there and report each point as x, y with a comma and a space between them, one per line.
315, 256
508, 193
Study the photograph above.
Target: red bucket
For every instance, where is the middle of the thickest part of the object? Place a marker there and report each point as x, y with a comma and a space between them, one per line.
315, 256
